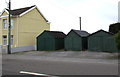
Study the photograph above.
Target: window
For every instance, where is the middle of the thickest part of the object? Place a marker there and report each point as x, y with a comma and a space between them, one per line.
4, 23
4, 40
11, 39
12, 24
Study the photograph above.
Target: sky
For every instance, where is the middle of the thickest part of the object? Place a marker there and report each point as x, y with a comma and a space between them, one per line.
64, 14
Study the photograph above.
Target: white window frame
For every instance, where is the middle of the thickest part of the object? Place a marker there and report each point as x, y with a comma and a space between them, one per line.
5, 24
12, 23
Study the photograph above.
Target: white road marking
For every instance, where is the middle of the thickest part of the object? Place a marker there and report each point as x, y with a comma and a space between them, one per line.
24, 72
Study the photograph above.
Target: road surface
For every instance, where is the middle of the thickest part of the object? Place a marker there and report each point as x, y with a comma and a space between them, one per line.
12, 65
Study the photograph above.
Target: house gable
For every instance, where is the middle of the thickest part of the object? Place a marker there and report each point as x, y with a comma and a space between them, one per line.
32, 22
4, 12
23, 11
34, 14
29, 10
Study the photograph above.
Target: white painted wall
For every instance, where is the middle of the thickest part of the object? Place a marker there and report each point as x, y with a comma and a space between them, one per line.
24, 48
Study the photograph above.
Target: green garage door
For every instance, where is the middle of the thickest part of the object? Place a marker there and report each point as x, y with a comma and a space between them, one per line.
94, 44
77, 44
68, 45
73, 43
46, 44
49, 44
102, 44
41, 45
109, 44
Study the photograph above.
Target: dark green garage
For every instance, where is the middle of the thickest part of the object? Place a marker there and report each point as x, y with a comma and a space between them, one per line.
76, 40
50, 40
101, 41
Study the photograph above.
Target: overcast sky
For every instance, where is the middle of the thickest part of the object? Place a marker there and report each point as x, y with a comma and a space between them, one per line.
64, 14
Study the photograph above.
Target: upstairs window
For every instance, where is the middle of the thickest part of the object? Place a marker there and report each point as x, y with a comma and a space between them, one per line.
12, 24
4, 23
11, 39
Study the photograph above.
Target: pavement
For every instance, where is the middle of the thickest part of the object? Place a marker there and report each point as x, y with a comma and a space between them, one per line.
71, 56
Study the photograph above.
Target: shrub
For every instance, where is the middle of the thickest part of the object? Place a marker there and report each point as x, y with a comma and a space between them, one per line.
114, 28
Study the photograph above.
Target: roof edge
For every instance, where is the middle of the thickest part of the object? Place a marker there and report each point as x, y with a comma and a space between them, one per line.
27, 11
4, 10
76, 33
34, 6
42, 14
73, 31
49, 32
99, 31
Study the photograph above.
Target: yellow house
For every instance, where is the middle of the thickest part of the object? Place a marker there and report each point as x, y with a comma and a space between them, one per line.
26, 24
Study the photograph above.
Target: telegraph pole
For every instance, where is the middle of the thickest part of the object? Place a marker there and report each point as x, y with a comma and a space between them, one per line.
80, 22
9, 30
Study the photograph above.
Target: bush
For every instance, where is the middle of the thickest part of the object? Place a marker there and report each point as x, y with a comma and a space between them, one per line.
114, 28
117, 39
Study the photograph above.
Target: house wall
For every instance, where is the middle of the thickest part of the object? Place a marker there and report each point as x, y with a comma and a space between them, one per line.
26, 29
0, 36
0, 31
30, 26
5, 31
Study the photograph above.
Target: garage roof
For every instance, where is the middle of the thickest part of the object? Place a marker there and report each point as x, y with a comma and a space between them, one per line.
101, 31
81, 33
56, 34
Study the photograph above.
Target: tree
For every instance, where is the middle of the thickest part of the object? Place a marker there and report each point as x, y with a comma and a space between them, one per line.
114, 28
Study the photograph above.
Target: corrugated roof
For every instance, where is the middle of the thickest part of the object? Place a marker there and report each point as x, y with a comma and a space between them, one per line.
101, 31
56, 34
20, 11
81, 33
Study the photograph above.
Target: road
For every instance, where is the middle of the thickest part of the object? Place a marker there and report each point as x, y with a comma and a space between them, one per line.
13, 66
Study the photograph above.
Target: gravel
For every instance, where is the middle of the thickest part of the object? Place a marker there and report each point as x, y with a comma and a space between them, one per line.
71, 54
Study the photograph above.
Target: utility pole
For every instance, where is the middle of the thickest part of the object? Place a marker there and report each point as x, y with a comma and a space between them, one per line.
9, 29
80, 22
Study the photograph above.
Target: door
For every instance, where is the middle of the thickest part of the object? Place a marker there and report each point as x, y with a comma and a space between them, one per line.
49, 44
76, 43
